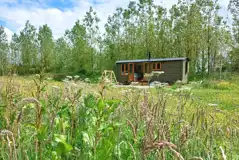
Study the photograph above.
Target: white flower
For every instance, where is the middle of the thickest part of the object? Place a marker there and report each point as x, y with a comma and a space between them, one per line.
212, 105
55, 87
69, 77
76, 77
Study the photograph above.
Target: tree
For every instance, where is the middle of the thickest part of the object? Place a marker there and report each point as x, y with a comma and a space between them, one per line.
15, 52
112, 39
46, 43
91, 21
190, 29
29, 49
234, 54
62, 56
3, 51
234, 8
80, 58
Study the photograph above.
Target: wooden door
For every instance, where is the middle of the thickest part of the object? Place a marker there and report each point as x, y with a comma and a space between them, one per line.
131, 72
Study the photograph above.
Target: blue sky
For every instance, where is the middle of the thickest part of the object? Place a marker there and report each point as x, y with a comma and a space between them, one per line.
60, 4
62, 14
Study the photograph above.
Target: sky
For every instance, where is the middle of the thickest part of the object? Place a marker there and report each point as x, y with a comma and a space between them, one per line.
60, 15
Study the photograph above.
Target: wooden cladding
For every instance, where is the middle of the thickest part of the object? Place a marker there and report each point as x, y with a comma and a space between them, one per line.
146, 67
173, 70
127, 69
124, 69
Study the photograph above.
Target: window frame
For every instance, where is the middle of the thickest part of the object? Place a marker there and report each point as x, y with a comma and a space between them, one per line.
156, 66
124, 72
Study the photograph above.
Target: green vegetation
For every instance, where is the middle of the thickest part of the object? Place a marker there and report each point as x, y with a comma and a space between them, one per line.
188, 29
41, 118
44, 119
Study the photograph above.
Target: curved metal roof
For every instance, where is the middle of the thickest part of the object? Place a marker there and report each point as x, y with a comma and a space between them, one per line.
154, 60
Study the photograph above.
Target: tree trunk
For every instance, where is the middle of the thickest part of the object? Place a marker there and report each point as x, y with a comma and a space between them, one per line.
208, 47
203, 62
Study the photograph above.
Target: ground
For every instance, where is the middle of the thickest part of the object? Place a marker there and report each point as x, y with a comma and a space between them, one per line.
96, 121
223, 93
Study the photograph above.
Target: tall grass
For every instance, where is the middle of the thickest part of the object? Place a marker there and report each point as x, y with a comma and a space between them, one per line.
68, 123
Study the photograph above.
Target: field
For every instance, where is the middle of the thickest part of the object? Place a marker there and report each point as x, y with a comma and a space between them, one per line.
44, 119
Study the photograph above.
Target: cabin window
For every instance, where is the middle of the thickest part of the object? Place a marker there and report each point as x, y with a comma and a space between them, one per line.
154, 66
157, 66
124, 69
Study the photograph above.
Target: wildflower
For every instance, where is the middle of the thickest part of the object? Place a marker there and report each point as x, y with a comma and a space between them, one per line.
56, 87
49, 78
87, 80
76, 77
38, 75
69, 77
212, 105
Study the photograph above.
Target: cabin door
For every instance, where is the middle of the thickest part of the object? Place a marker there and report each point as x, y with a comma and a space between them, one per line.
131, 72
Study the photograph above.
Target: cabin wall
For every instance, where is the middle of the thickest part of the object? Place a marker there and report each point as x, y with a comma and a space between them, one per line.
184, 72
120, 78
172, 72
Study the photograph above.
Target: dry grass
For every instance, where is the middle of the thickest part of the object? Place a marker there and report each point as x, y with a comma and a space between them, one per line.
146, 124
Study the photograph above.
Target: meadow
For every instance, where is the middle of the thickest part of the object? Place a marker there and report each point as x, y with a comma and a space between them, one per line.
45, 119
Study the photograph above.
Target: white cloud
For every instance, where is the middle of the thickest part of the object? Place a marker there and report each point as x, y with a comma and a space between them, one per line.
167, 4
60, 20
9, 34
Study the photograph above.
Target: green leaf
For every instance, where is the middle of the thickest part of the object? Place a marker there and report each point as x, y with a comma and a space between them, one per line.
90, 101
67, 147
87, 139
101, 104
59, 137
103, 126
62, 146
113, 101
41, 133
105, 150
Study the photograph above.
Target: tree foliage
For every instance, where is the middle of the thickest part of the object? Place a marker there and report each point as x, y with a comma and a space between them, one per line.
234, 54
3, 51
46, 47
192, 29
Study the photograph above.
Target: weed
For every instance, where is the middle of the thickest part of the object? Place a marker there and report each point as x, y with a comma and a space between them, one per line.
76, 121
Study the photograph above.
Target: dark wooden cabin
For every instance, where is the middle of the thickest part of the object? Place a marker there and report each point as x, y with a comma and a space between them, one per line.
133, 70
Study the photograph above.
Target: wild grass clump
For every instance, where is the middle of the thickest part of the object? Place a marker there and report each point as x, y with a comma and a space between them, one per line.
213, 84
69, 122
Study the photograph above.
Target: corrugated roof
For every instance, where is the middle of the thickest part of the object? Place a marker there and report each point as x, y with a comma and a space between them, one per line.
154, 60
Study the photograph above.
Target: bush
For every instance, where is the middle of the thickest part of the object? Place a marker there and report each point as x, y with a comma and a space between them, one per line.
60, 76
94, 76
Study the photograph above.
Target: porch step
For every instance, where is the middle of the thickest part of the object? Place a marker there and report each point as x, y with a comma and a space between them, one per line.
143, 83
